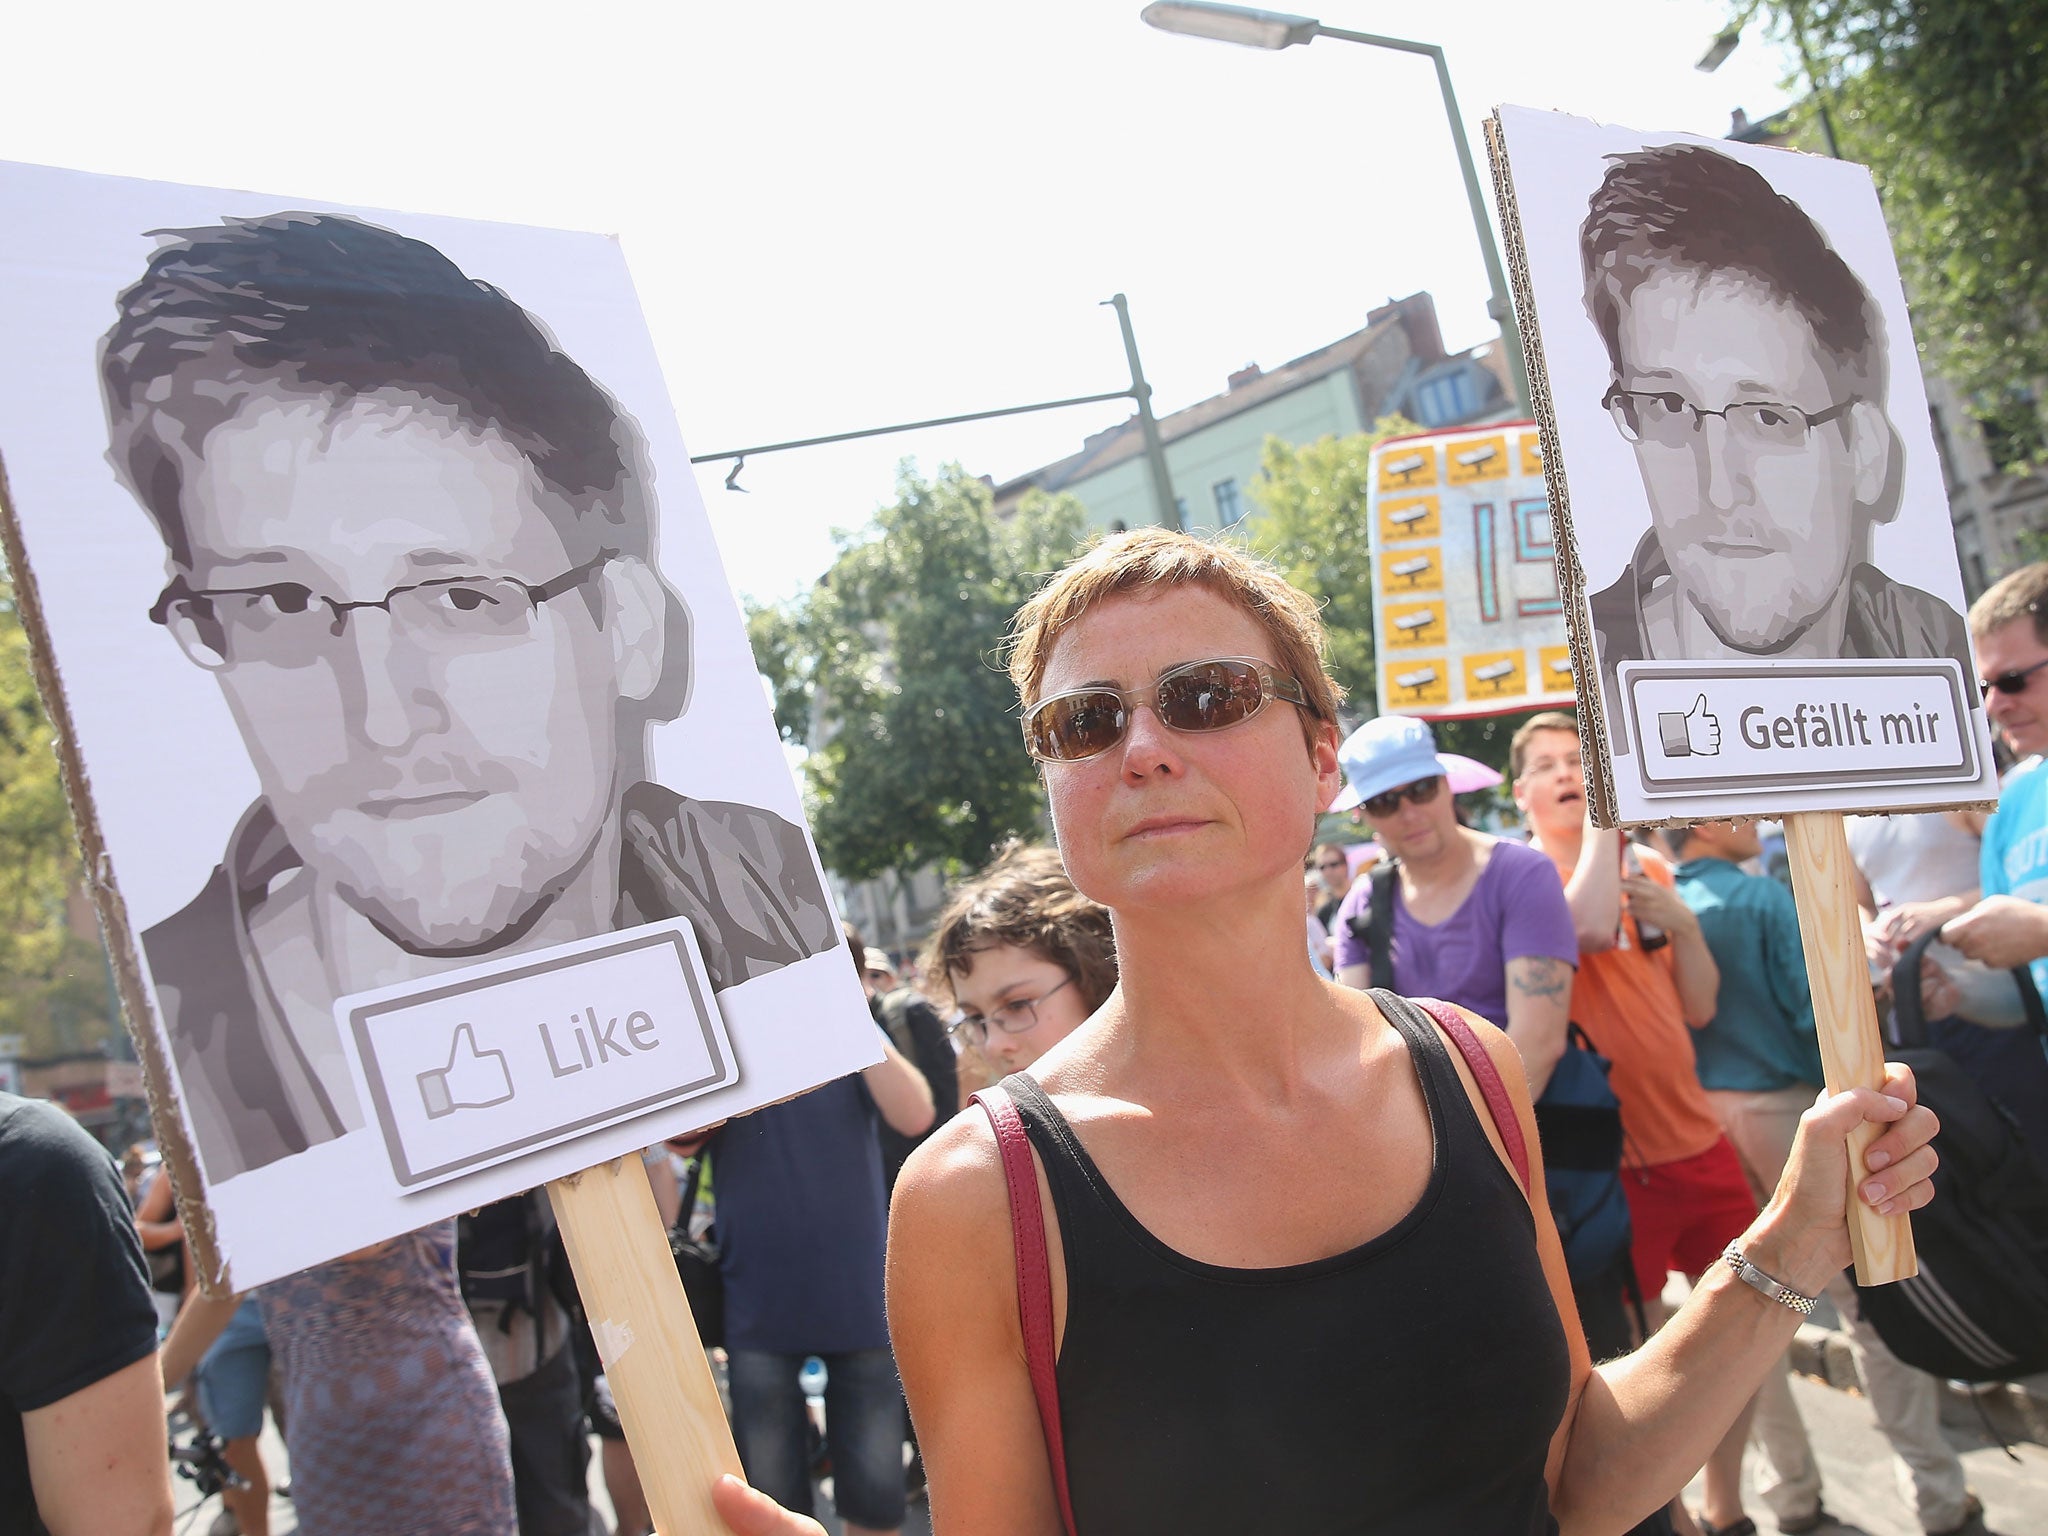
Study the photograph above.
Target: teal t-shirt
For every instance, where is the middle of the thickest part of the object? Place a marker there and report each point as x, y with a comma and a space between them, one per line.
2014, 861
1762, 1036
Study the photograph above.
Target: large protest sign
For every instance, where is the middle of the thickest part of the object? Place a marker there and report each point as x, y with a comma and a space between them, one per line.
1470, 614
1761, 583
1760, 566
441, 834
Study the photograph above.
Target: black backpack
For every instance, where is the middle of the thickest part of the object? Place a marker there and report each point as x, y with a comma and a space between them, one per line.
1578, 1123
509, 1253
1978, 1309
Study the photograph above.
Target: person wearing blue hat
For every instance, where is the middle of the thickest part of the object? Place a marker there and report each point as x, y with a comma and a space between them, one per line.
1478, 921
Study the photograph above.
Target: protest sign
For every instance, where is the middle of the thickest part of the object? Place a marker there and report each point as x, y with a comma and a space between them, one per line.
1470, 615
438, 827
1761, 582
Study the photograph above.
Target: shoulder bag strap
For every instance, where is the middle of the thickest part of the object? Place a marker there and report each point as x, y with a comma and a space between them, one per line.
1034, 1279
1498, 1102
1380, 919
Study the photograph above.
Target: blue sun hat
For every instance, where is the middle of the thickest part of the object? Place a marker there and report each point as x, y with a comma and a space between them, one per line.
1391, 750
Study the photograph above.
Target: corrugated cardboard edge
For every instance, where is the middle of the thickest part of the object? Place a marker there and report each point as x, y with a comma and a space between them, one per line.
1595, 749
165, 1111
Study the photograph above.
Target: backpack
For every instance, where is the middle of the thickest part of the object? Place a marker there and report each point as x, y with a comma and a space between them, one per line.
509, 1254
1978, 1309
1578, 1122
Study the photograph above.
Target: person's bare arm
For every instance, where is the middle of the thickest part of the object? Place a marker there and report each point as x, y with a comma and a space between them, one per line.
1359, 976
1594, 890
668, 1190
953, 1321
2000, 931
97, 1459
1642, 1424
1539, 1012
156, 1218
1693, 971
200, 1321
900, 1092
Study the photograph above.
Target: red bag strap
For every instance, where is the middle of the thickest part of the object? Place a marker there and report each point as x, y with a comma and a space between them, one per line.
1498, 1102
1034, 1279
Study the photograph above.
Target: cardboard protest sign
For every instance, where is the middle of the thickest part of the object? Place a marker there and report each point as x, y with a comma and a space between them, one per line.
1762, 588
1470, 615
1758, 562
441, 834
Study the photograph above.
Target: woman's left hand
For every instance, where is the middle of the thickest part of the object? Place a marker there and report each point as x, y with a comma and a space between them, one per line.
1805, 1227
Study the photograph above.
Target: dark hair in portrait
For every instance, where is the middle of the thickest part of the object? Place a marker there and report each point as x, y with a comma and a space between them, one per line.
324, 305
1680, 205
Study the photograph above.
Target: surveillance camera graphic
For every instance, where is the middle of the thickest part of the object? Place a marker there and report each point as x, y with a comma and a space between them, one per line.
473, 1079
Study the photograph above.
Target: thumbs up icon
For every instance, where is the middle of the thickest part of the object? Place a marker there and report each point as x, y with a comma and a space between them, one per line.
472, 1079
1696, 733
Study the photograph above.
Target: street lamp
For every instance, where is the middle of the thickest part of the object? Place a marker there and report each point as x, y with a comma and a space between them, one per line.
1278, 29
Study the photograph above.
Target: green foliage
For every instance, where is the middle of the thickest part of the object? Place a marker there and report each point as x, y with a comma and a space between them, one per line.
1311, 523
1944, 100
888, 672
52, 980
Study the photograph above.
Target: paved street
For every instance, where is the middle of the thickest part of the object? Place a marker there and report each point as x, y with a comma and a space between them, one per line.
1855, 1463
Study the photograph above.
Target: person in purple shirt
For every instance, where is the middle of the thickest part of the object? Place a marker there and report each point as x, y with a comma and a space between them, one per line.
1478, 921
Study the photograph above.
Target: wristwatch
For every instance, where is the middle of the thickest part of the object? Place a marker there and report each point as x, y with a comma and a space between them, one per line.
1757, 1280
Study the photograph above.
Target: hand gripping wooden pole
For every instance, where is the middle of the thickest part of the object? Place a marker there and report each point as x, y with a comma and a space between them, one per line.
1845, 1012
653, 1359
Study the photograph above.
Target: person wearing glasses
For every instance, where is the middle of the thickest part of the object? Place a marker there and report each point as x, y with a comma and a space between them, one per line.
1750, 373
413, 542
1295, 1283
1478, 921
2009, 925
1026, 957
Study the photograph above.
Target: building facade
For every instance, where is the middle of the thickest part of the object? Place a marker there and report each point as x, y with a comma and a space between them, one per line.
1396, 365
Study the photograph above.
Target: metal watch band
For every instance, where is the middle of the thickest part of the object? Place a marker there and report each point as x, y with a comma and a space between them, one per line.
1757, 1280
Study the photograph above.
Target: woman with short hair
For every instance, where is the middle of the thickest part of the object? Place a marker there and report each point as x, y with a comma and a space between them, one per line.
1296, 1282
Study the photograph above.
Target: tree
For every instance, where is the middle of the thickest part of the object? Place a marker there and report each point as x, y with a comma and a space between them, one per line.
1944, 101
1311, 523
52, 979
889, 672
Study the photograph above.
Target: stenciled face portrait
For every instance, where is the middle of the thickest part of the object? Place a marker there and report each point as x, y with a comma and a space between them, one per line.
1753, 460
426, 678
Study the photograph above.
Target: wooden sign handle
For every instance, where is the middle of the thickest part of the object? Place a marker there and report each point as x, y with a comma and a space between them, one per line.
653, 1359
1845, 1012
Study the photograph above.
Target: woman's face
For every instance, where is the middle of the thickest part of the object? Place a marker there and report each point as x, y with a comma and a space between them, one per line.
1167, 818
1037, 999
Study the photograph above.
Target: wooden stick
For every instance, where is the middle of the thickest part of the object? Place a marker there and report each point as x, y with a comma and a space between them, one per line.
1845, 1011
653, 1359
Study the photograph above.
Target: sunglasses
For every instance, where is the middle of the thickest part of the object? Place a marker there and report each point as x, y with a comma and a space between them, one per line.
1199, 696
1421, 792
2009, 682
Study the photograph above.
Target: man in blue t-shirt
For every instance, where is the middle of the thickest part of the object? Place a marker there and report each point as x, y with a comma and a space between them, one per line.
2009, 630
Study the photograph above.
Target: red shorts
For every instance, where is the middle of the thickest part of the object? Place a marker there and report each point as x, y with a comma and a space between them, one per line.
1686, 1213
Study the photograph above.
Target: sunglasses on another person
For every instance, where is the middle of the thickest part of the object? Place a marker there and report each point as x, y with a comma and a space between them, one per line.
2009, 682
1197, 696
1421, 792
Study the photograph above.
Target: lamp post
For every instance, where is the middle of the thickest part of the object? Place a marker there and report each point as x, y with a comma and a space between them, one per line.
1277, 29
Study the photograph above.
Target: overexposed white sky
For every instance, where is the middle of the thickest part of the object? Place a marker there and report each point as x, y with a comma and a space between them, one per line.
843, 215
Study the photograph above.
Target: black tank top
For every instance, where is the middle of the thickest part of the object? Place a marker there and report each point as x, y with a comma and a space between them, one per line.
1410, 1385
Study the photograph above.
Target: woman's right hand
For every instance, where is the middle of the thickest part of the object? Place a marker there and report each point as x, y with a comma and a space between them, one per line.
749, 1512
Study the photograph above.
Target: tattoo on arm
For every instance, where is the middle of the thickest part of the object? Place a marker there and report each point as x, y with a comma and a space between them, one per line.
1539, 976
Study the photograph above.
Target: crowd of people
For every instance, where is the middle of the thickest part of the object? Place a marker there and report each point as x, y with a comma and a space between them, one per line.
1626, 1087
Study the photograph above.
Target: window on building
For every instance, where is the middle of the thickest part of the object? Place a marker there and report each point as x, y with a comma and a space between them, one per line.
1446, 398
1229, 506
